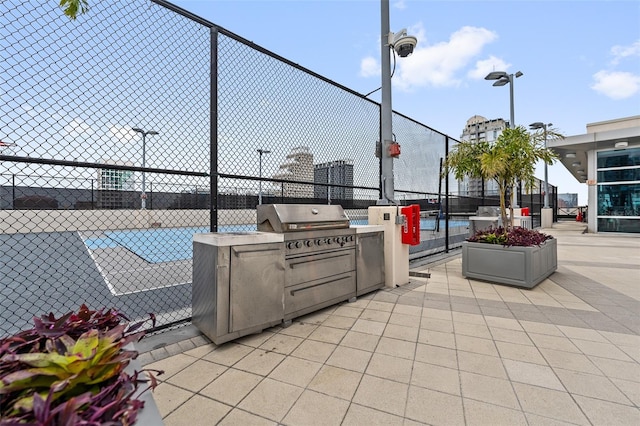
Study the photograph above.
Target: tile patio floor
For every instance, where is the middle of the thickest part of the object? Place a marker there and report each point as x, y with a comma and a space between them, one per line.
442, 350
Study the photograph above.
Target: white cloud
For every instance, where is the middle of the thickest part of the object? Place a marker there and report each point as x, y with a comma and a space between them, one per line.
369, 67
616, 85
122, 133
485, 66
436, 65
621, 52
77, 127
400, 4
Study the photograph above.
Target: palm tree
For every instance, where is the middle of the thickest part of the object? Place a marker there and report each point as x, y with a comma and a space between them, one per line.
510, 159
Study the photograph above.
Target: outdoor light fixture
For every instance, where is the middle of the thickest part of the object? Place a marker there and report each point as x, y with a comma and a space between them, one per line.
535, 126
570, 155
580, 171
143, 195
503, 78
621, 144
260, 152
576, 164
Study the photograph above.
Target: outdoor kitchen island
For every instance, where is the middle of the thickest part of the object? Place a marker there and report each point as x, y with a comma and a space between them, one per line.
303, 258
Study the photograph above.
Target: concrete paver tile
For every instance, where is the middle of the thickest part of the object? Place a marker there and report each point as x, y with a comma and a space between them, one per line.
366, 342
336, 382
520, 352
533, 374
197, 375
569, 361
537, 420
200, 351
380, 306
260, 362
408, 310
197, 411
358, 415
281, 343
299, 329
510, 336
296, 371
313, 408
591, 385
389, 367
231, 386
582, 333
339, 322
396, 348
608, 413
349, 359
328, 334
553, 342
255, 340
169, 397
401, 332
436, 378
549, 403
436, 355
442, 314
271, 399
437, 324
486, 365
603, 350
228, 354
314, 351
237, 417
434, 408
375, 315
488, 389
348, 311
475, 344
481, 414
382, 394
437, 338
506, 323
615, 368
630, 389
171, 365
369, 327
476, 330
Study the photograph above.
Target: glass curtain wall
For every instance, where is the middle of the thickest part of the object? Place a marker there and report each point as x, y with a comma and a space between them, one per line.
619, 191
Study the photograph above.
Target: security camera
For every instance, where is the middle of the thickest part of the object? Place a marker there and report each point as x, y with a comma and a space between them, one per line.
402, 43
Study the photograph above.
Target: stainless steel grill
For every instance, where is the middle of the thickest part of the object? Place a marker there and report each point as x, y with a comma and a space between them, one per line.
320, 255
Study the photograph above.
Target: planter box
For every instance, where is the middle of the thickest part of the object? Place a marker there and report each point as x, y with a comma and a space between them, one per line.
516, 266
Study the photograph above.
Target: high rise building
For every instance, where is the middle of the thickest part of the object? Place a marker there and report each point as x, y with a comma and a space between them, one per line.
478, 128
115, 186
298, 166
337, 172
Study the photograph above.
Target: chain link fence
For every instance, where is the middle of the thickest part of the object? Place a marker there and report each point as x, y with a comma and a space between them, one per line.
137, 125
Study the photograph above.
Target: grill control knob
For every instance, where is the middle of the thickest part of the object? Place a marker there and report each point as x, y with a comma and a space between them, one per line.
308, 243
319, 242
289, 245
298, 244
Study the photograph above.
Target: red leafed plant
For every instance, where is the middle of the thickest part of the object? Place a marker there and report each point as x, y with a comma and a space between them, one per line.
515, 236
70, 371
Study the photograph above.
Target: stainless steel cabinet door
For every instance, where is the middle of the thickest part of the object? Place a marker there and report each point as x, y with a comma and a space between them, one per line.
256, 284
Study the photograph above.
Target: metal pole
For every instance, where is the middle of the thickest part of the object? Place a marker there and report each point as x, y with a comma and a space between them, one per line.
260, 176
143, 196
546, 176
386, 132
512, 123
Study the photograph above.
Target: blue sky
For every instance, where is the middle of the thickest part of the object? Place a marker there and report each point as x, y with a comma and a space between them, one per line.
580, 59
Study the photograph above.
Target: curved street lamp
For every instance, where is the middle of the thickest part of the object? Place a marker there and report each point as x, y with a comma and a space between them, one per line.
143, 195
503, 78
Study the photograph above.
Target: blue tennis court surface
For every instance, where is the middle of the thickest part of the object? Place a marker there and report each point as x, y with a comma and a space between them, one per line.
160, 245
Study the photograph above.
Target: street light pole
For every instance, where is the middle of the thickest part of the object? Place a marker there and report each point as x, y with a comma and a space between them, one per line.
543, 126
503, 78
260, 152
143, 195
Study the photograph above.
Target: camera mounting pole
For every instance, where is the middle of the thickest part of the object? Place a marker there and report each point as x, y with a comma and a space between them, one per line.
386, 131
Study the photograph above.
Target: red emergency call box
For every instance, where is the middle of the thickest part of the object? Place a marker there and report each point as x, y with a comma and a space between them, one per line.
411, 228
